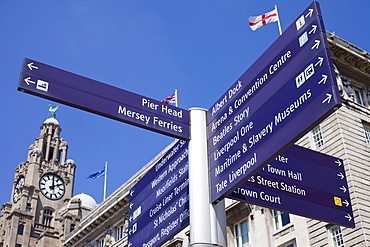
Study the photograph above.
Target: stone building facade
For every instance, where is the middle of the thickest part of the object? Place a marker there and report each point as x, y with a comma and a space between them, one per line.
42, 210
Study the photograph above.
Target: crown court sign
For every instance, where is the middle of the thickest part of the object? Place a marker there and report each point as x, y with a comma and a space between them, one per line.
304, 182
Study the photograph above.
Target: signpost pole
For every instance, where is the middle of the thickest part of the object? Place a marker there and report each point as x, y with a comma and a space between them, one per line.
204, 219
218, 223
105, 180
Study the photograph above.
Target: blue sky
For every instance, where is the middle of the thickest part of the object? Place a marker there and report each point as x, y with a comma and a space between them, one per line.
147, 47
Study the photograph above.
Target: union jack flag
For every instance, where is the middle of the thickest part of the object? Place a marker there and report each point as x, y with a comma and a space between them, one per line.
170, 99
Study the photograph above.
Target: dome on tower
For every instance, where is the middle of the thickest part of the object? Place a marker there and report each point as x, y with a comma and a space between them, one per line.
36, 151
52, 121
70, 161
86, 201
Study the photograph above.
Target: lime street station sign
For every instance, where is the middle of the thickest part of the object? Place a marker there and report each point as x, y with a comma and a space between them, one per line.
304, 182
86, 94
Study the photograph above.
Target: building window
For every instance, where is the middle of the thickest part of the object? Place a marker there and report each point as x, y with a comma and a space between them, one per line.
18, 245
336, 236
281, 219
28, 207
317, 137
51, 152
241, 233
100, 242
291, 245
119, 232
358, 97
47, 217
367, 132
73, 226
20, 229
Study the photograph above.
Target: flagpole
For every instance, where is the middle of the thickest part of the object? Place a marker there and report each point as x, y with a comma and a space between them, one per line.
177, 105
278, 20
105, 180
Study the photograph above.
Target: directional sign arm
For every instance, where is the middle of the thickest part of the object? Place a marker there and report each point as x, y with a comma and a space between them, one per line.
102, 99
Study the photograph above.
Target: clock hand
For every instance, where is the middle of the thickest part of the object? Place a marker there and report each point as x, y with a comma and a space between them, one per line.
52, 184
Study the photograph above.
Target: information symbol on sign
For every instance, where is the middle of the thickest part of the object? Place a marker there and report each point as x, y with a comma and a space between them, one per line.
303, 39
300, 22
42, 85
338, 201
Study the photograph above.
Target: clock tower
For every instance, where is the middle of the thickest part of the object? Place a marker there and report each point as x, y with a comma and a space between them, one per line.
38, 212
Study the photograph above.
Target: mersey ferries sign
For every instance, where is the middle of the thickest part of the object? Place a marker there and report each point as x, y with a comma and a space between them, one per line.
86, 94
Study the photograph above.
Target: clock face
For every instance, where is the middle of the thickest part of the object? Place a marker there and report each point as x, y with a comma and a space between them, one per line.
17, 188
52, 186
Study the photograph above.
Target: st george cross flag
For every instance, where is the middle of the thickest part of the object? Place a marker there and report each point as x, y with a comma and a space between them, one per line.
96, 174
261, 20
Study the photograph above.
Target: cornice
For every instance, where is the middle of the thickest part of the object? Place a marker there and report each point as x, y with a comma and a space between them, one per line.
351, 60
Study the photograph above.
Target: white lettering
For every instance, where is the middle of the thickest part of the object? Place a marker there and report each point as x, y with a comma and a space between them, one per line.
274, 67
133, 115
235, 89
269, 198
147, 103
219, 105
256, 138
302, 99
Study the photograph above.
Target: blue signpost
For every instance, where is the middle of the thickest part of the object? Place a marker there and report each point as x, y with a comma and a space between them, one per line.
304, 182
286, 92
159, 202
86, 94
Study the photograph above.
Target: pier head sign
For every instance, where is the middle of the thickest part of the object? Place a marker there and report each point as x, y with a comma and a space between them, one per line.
86, 94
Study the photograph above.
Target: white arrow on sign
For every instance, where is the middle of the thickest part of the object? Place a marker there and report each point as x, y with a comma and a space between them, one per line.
344, 189
31, 66
316, 45
338, 162
319, 63
340, 175
327, 99
346, 202
310, 11
313, 30
348, 217
323, 80
28, 81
